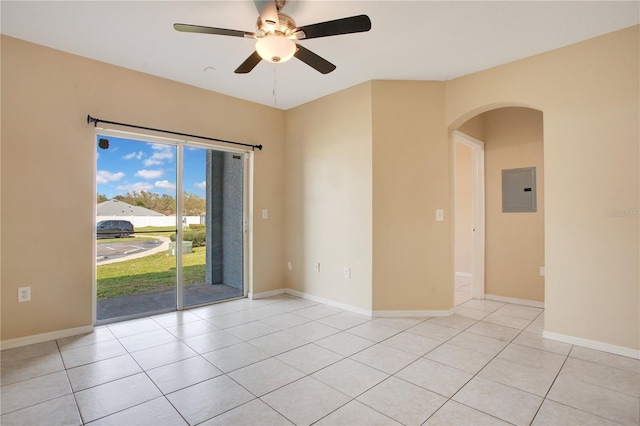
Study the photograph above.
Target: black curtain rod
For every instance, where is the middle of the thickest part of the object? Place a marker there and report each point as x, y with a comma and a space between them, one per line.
95, 122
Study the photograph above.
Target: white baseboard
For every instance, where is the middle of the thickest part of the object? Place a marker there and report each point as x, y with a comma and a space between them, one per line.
415, 314
329, 302
464, 274
45, 337
367, 312
515, 301
264, 294
592, 344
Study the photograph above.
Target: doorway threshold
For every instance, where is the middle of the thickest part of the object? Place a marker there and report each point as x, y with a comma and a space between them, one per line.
128, 307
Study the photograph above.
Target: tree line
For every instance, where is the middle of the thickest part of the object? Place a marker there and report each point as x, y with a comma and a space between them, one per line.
165, 204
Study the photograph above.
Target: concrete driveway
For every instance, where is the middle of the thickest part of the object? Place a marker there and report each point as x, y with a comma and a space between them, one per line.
120, 251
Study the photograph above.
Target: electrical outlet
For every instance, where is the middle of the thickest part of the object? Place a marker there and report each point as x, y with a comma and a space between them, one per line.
318, 267
542, 271
24, 294
290, 265
347, 272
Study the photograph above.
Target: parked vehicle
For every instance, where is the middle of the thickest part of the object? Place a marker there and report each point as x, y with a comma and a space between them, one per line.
114, 229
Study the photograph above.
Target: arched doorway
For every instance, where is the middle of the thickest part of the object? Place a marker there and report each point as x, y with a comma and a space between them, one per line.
513, 252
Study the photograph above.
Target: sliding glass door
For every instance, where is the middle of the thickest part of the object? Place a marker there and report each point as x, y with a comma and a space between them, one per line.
213, 185
186, 204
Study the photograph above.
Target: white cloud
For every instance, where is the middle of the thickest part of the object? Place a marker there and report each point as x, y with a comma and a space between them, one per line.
165, 184
104, 176
138, 186
201, 185
137, 155
149, 174
162, 154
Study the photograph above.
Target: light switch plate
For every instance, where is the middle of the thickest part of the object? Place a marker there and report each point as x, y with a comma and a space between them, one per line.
439, 215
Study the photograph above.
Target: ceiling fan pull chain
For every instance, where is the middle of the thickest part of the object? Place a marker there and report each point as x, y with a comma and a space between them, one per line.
275, 99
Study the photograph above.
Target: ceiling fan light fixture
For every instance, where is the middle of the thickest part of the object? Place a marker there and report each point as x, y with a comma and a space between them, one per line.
275, 48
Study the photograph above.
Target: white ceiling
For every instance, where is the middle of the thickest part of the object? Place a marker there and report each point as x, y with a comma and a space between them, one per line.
409, 40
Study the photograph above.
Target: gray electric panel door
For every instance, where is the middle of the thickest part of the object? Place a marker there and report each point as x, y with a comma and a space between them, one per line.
519, 190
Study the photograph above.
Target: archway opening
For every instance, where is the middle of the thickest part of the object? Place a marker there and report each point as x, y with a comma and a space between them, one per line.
512, 255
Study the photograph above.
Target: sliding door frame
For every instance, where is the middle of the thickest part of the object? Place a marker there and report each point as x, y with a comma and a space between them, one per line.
247, 206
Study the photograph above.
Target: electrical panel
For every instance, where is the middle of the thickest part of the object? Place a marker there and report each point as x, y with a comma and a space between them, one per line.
519, 190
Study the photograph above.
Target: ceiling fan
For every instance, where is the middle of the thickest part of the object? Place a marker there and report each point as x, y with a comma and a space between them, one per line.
277, 36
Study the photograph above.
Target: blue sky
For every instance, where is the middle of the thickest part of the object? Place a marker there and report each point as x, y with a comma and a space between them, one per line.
129, 165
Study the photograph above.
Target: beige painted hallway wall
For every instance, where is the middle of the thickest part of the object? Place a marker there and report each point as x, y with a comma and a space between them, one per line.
412, 177
379, 220
514, 242
48, 168
328, 197
588, 93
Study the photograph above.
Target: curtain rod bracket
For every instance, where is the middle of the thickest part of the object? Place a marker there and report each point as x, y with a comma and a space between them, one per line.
95, 122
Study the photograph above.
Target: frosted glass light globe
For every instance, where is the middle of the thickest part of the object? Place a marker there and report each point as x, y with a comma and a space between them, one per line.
275, 48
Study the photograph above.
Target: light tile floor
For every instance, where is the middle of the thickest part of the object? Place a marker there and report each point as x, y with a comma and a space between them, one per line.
284, 360
463, 289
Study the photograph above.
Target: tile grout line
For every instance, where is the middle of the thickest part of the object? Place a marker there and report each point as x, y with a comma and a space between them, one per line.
226, 374
376, 343
484, 366
388, 375
53, 398
143, 371
472, 377
552, 383
419, 358
73, 393
118, 339
308, 375
338, 331
544, 398
259, 397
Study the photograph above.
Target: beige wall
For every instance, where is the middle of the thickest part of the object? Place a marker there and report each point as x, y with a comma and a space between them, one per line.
588, 93
48, 172
328, 197
514, 242
474, 127
463, 209
412, 253
342, 212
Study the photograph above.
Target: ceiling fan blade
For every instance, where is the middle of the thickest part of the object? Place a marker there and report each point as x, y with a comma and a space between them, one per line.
353, 24
188, 28
268, 12
249, 64
314, 61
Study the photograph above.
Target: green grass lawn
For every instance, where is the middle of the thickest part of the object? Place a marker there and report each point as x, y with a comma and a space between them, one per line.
156, 230
156, 272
